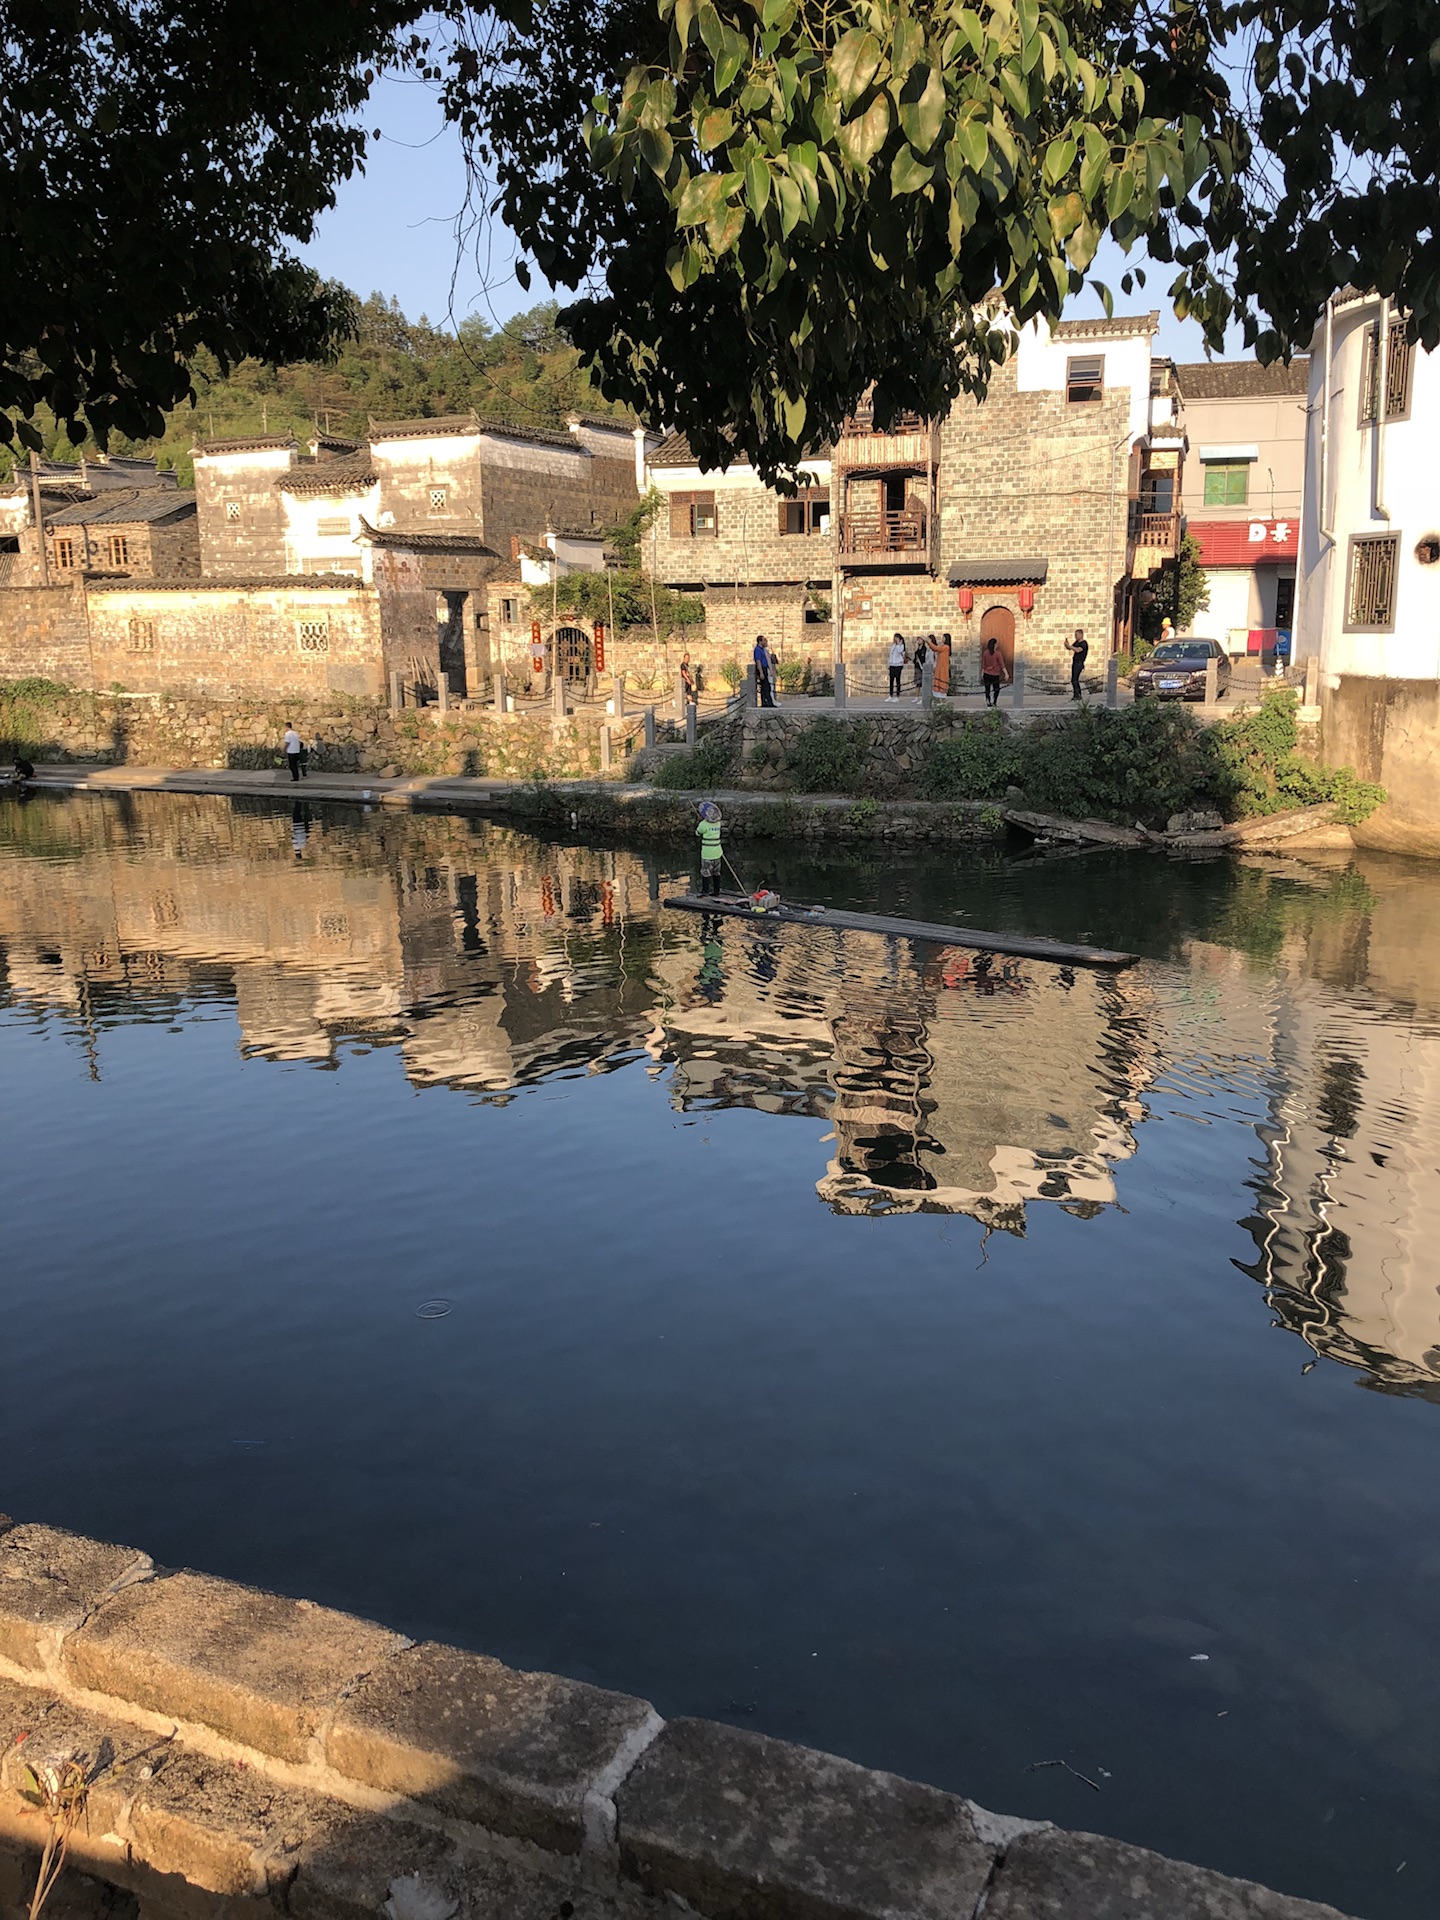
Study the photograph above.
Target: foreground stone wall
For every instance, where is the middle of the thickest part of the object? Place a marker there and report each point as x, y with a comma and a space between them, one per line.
251, 1755
349, 736
1389, 731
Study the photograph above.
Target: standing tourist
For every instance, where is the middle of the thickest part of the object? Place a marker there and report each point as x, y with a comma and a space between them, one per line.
942, 665
293, 750
764, 681
1079, 651
922, 654
687, 679
897, 665
992, 671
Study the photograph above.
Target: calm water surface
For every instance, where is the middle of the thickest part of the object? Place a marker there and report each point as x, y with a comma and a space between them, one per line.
960, 1369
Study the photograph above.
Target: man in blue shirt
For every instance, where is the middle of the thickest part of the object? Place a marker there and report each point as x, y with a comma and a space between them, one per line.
764, 672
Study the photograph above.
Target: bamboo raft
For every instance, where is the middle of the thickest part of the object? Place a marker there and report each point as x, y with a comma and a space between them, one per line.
736, 907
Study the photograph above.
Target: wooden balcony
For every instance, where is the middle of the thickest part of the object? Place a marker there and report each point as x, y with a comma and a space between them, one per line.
1156, 538
909, 442
898, 536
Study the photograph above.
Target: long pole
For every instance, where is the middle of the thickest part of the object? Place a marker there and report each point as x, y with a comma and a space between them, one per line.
39, 523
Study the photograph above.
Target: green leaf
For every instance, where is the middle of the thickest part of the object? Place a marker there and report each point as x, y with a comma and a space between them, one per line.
909, 44
1027, 14
729, 60
791, 204
974, 32
1066, 213
1097, 159
1120, 193
702, 199
657, 149
964, 196
1107, 299
725, 229
757, 185
861, 139
803, 162
974, 142
1014, 92
712, 28
779, 14
908, 174
1059, 158
921, 119
715, 128
854, 64
795, 411
1082, 244
684, 20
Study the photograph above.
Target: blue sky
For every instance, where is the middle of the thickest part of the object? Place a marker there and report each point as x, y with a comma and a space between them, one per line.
393, 231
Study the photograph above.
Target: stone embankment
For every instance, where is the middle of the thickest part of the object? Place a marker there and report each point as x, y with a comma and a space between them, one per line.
249, 1755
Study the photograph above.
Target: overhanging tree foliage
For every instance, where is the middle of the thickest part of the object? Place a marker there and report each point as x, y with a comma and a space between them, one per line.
765, 208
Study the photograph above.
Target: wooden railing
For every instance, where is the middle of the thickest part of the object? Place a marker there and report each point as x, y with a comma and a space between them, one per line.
897, 532
1158, 530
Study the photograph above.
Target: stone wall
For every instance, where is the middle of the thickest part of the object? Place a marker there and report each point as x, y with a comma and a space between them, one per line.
1387, 731
44, 634
747, 545
250, 1754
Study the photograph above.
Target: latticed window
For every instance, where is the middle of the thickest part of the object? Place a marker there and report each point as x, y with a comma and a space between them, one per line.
693, 515
1372, 581
314, 636
64, 551
119, 550
232, 509
438, 497
808, 513
1227, 483
1397, 374
142, 636
1084, 378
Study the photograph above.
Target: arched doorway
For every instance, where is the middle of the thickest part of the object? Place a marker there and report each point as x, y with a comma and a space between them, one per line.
572, 654
999, 622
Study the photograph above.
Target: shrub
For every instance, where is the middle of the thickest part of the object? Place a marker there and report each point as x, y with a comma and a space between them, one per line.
829, 756
1267, 775
1141, 762
975, 762
732, 673
794, 676
709, 763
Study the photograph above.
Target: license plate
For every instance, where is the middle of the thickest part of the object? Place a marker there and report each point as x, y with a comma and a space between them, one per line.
1172, 686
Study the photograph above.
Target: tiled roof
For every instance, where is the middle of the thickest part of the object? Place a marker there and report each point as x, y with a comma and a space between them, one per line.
335, 444
998, 573
1242, 379
546, 436
354, 474
417, 541
126, 508
1167, 430
1122, 326
427, 427
673, 451
622, 422
246, 443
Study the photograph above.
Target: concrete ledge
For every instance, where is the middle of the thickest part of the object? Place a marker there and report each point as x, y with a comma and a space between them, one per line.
259, 1669
515, 1752
252, 1758
739, 1824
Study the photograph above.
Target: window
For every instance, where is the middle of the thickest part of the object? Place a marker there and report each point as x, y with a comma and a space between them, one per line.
1372, 581
1084, 378
692, 515
808, 513
1227, 483
232, 509
64, 551
313, 636
141, 636
1397, 374
438, 496
332, 529
119, 550
509, 612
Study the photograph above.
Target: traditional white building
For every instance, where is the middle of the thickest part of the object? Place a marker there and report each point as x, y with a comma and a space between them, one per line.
1369, 571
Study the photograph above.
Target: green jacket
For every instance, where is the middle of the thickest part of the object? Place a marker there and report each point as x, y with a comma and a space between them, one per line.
708, 834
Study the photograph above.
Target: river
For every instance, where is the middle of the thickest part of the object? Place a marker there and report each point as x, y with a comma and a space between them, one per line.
968, 1369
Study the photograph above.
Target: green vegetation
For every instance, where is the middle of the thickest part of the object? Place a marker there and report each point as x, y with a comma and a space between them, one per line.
1266, 775
526, 372
829, 756
1181, 592
709, 763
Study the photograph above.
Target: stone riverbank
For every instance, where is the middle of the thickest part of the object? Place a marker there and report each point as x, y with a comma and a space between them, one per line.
250, 1755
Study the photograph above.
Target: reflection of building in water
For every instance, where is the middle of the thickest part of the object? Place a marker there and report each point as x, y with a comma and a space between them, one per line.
954, 1084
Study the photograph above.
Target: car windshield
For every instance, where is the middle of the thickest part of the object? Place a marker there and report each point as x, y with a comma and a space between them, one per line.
1174, 652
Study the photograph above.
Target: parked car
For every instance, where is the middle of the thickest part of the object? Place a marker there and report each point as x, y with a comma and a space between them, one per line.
1176, 670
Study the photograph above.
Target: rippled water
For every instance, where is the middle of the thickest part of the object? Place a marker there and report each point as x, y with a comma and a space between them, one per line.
960, 1368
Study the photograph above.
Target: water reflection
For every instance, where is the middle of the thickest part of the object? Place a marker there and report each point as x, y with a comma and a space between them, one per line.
1301, 997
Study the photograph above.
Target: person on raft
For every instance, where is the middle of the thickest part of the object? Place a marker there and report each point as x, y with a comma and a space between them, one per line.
711, 855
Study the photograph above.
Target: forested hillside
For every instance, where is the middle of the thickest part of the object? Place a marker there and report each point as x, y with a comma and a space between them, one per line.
525, 371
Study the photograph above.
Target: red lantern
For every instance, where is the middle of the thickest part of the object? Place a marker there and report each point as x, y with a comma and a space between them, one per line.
1026, 597
967, 600
599, 646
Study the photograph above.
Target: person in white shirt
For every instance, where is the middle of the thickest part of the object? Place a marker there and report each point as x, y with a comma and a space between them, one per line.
292, 750
898, 657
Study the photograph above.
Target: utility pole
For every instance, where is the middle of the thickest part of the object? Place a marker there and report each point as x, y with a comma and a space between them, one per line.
39, 523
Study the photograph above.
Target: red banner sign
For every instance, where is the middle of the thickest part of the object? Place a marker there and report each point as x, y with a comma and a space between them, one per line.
1246, 543
537, 648
599, 646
